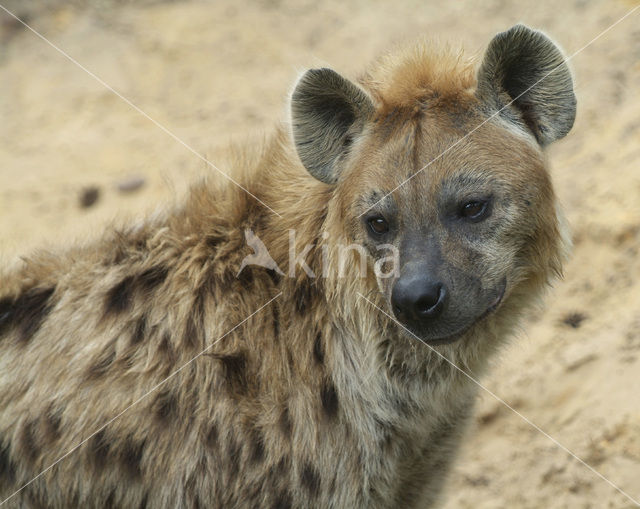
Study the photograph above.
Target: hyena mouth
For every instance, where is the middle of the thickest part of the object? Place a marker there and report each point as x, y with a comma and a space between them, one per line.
446, 339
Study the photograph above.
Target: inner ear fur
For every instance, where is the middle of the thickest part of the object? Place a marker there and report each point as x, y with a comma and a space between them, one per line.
524, 66
327, 111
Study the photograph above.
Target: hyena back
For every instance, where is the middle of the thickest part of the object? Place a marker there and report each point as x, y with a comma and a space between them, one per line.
318, 398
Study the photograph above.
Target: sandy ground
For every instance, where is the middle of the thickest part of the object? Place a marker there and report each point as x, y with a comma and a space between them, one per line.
219, 72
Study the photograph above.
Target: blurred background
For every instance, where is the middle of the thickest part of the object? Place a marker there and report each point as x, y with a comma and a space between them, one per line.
74, 157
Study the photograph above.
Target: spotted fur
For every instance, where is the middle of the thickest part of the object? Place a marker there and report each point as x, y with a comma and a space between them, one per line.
317, 400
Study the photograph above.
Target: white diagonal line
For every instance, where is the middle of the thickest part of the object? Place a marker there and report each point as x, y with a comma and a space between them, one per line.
500, 400
501, 109
158, 124
139, 399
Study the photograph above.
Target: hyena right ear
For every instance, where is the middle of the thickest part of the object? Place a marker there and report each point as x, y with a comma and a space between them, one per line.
524, 67
327, 111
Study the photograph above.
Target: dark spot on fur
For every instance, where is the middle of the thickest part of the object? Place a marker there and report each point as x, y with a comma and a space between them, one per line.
120, 297
402, 407
303, 297
233, 452
127, 360
144, 502
191, 335
99, 449
226, 280
131, 457
165, 346
139, 331
28, 444
387, 441
51, 421
27, 312
387, 430
165, 406
153, 277
246, 277
257, 447
329, 399
102, 363
276, 321
282, 467
282, 501
213, 241
274, 276
212, 436
110, 502
284, 422
139, 241
194, 327
6, 314
235, 370
290, 361
116, 256
318, 349
310, 479
7, 467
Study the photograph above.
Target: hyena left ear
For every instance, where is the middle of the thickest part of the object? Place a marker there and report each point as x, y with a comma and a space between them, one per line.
524, 66
327, 111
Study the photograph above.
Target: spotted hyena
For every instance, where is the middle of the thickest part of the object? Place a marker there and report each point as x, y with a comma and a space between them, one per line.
161, 375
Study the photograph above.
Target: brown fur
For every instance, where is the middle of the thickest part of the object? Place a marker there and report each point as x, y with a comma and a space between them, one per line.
423, 71
316, 400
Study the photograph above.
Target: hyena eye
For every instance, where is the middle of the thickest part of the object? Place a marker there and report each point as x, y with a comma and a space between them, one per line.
378, 225
474, 210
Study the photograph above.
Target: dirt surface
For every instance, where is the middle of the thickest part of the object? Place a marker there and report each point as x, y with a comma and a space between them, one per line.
74, 156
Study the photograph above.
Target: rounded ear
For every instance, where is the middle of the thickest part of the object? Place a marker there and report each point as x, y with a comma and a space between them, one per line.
524, 66
327, 112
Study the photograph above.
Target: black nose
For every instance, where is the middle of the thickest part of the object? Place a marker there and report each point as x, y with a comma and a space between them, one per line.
418, 298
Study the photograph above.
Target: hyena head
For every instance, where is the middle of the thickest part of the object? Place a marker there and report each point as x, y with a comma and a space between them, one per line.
445, 164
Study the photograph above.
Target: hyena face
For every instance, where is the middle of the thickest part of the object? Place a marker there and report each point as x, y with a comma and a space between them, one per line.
465, 198
461, 226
